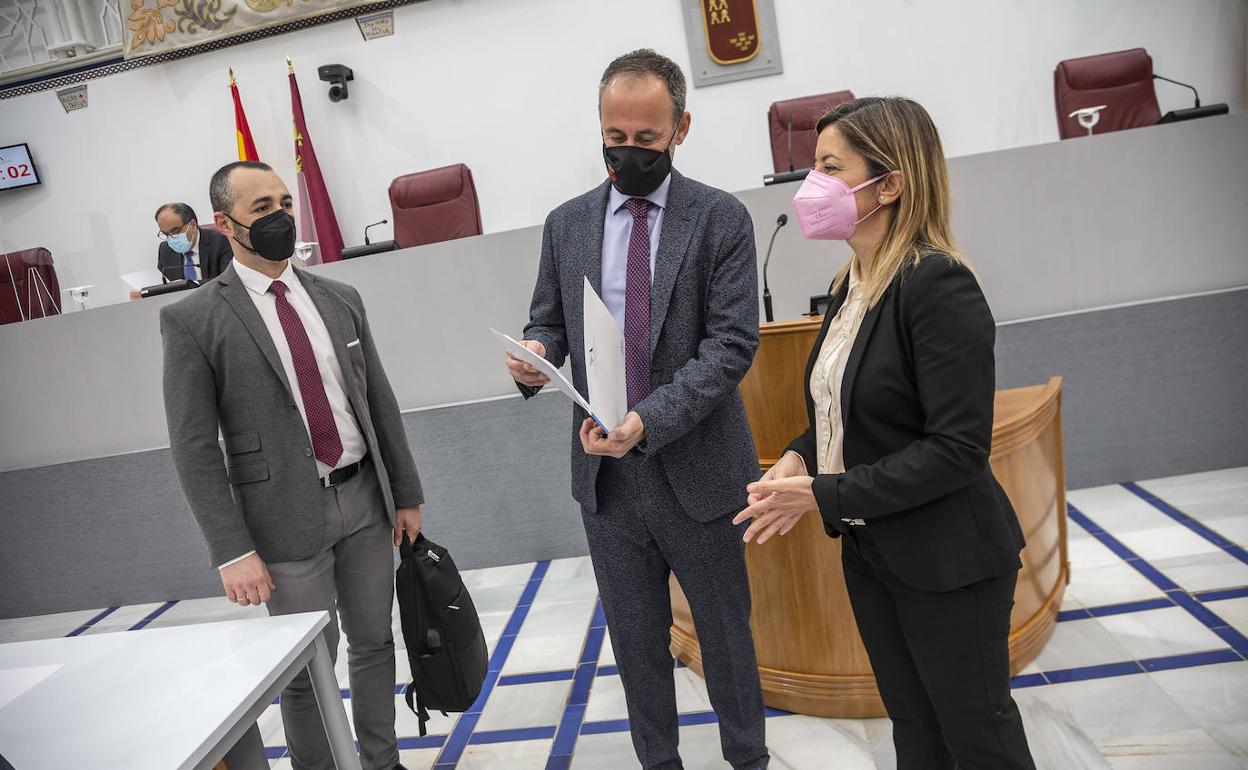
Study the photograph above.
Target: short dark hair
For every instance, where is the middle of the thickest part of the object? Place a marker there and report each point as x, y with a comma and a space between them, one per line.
646, 61
220, 192
181, 209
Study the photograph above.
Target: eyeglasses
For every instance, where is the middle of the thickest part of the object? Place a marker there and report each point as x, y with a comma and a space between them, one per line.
164, 236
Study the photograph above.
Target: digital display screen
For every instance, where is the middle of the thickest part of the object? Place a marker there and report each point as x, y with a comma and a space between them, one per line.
16, 167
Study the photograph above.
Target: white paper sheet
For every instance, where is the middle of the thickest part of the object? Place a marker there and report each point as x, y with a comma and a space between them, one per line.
141, 279
545, 367
604, 360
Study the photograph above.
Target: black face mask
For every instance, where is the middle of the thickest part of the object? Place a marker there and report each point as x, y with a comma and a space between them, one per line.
272, 235
637, 171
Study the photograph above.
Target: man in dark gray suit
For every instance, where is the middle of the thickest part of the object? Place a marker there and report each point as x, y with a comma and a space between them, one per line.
318, 482
674, 262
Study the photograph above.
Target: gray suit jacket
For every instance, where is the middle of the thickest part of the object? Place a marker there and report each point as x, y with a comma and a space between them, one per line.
703, 334
221, 371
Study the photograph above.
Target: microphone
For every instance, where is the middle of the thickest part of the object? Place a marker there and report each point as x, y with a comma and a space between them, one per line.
791, 143
781, 221
1185, 85
367, 242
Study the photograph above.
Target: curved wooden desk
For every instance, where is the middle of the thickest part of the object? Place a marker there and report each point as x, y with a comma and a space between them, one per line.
810, 657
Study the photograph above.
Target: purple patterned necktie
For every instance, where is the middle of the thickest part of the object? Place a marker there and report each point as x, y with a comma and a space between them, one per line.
326, 443
637, 304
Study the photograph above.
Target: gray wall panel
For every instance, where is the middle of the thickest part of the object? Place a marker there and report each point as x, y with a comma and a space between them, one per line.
117, 530
1150, 390
1072, 225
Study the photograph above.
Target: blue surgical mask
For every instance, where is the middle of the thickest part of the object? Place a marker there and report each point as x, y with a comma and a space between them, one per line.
179, 243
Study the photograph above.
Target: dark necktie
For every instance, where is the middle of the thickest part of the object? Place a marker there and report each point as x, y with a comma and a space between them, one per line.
326, 443
637, 304
188, 271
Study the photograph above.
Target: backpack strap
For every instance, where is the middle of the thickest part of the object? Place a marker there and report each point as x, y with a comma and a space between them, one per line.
410, 694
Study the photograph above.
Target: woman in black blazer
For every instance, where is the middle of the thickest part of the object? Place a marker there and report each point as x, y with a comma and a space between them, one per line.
900, 388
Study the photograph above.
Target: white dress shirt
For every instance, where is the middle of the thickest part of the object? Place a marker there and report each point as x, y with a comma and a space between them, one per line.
257, 283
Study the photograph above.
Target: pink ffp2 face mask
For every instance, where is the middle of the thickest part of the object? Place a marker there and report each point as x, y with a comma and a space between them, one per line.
826, 209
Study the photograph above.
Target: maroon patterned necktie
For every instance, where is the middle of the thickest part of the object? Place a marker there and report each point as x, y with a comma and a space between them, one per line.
326, 443
637, 304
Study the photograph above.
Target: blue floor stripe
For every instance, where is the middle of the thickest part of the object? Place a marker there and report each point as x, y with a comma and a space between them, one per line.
578, 700
538, 678
152, 616
1219, 594
1194, 525
1190, 660
512, 735
427, 742
1101, 671
85, 626
1027, 680
461, 735
1211, 620
1106, 610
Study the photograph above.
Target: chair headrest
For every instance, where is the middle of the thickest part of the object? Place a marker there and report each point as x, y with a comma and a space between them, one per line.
1108, 70
428, 187
805, 111
18, 262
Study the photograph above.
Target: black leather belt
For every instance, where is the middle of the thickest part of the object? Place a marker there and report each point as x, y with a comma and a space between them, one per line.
339, 475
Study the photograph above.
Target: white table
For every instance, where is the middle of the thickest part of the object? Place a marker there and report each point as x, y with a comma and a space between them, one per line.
160, 698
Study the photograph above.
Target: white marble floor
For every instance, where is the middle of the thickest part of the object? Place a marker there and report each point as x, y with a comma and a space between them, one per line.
1147, 668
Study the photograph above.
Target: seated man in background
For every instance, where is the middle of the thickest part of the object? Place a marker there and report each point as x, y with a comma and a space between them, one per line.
185, 250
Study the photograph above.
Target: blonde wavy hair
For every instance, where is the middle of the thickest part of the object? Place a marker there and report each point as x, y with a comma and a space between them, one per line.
896, 134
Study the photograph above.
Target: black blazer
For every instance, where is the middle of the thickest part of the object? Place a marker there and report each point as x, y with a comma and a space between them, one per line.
212, 254
917, 405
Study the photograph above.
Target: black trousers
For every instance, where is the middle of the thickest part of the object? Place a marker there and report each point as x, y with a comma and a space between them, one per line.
942, 663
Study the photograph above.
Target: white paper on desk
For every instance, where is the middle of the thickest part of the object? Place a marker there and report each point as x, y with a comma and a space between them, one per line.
547, 368
141, 279
604, 360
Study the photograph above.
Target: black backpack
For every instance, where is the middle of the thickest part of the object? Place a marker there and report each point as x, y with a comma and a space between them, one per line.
445, 643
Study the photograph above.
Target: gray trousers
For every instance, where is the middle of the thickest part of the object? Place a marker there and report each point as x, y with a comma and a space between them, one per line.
352, 578
637, 539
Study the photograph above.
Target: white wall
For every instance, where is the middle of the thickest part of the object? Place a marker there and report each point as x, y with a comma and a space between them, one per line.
509, 88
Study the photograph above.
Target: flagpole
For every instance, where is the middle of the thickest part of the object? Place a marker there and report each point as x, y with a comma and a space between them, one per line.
233, 82
290, 68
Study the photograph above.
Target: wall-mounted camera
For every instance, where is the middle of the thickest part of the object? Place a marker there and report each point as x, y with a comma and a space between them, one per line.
337, 75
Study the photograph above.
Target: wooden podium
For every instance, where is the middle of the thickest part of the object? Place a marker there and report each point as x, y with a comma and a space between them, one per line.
810, 657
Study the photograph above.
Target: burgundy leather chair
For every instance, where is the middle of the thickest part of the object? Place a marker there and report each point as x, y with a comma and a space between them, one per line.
20, 292
802, 114
1122, 81
433, 206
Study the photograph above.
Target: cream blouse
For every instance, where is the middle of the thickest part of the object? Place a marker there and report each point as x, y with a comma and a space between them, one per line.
829, 372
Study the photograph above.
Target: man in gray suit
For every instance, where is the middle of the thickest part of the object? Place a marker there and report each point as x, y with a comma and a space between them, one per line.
674, 262
318, 482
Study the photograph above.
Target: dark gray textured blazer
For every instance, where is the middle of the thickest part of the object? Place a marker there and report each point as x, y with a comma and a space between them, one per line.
703, 334
222, 372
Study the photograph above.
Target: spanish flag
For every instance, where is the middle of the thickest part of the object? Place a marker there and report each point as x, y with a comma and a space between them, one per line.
242, 132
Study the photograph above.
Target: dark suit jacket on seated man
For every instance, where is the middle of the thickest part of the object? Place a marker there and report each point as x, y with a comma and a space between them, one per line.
187, 250
317, 483
674, 261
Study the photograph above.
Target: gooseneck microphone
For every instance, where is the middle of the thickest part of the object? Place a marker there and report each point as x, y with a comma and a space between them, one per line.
1185, 85
367, 242
781, 221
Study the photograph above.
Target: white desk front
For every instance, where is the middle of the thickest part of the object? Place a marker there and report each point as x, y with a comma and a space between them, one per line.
154, 699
